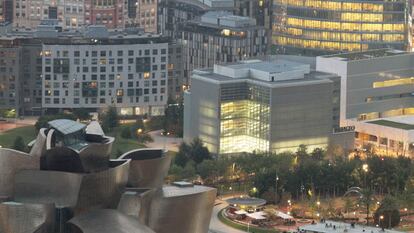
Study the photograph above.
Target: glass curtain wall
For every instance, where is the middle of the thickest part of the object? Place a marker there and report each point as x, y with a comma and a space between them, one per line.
244, 117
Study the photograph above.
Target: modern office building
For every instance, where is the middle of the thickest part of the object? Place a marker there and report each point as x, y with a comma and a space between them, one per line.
321, 27
172, 13
376, 96
260, 10
261, 106
220, 37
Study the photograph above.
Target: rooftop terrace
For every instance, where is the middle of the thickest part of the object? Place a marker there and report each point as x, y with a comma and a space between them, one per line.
365, 55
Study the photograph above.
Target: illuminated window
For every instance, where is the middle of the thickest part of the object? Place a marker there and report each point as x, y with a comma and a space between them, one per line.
146, 75
119, 92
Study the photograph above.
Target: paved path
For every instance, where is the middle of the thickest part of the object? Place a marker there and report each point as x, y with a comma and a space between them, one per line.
216, 226
165, 142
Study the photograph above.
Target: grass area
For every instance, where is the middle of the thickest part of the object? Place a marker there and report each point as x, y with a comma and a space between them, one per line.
122, 145
252, 229
28, 133
393, 124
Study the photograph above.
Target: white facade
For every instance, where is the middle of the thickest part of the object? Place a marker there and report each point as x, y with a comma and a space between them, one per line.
131, 77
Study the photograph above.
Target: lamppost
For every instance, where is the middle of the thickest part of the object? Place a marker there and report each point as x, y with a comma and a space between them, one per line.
365, 169
276, 181
380, 219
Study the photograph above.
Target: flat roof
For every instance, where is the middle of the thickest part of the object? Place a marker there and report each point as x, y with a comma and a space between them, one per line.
176, 191
365, 55
405, 122
248, 201
340, 227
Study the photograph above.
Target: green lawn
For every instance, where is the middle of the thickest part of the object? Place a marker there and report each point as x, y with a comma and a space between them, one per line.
243, 227
393, 124
120, 146
28, 133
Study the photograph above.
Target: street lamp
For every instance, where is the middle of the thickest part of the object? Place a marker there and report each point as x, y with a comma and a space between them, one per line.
380, 219
365, 169
276, 181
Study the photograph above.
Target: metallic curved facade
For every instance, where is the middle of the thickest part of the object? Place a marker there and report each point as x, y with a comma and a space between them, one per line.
319, 27
39, 147
148, 167
106, 221
11, 162
194, 206
136, 202
95, 156
26, 218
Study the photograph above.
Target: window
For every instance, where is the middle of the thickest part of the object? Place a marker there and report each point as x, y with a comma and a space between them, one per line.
120, 53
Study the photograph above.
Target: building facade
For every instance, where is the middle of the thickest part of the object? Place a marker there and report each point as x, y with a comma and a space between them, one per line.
220, 37
44, 71
30, 13
109, 13
129, 74
376, 97
142, 13
320, 27
260, 106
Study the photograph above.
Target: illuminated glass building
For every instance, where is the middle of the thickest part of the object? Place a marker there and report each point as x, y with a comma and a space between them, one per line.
320, 27
261, 106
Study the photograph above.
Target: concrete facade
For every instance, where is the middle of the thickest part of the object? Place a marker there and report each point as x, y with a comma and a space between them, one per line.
260, 106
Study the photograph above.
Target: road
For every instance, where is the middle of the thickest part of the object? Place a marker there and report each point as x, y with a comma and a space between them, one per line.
165, 142
216, 226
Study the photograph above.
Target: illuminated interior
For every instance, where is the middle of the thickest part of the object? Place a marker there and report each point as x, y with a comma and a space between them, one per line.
245, 123
393, 82
340, 25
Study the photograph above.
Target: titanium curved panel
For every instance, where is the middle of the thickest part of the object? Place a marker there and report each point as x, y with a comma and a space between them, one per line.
148, 167
95, 156
106, 221
60, 188
103, 189
194, 206
136, 202
26, 218
49, 139
39, 146
12, 161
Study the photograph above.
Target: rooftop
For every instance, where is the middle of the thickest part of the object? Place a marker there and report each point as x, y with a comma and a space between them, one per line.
226, 19
398, 122
176, 191
66, 127
341, 227
365, 55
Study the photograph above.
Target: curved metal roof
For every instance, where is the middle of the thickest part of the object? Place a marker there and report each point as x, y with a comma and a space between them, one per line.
65, 126
248, 201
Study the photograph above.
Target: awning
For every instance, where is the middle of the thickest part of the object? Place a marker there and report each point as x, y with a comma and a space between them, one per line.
283, 215
257, 215
240, 212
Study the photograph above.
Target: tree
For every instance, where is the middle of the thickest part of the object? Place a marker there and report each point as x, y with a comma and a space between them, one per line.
126, 132
388, 214
181, 157
19, 144
198, 152
195, 151
82, 114
366, 200
174, 117
110, 119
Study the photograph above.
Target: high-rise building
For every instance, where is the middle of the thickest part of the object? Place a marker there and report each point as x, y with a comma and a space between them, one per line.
221, 37
321, 27
261, 106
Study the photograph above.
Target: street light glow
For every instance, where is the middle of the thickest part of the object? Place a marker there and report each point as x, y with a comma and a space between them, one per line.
365, 167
